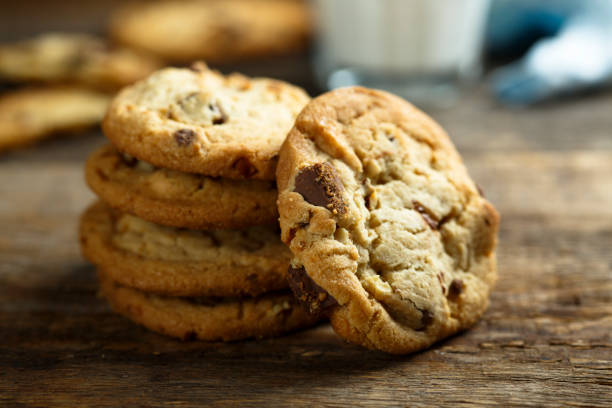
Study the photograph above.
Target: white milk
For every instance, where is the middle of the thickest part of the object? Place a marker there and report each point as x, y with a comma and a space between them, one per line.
398, 40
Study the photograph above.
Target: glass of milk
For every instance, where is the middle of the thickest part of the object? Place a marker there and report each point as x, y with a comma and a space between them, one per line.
422, 50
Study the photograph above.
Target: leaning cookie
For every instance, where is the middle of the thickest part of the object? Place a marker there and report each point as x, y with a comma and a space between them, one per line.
179, 199
389, 233
69, 58
30, 115
216, 31
208, 319
199, 121
179, 262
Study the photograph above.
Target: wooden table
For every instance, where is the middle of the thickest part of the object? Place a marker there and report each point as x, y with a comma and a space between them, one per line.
545, 341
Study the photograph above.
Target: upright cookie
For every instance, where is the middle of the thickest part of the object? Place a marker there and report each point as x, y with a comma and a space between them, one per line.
179, 262
179, 199
215, 31
30, 115
199, 121
389, 233
79, 59
209, 319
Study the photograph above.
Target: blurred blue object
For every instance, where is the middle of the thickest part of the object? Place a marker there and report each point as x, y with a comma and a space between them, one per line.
575, 53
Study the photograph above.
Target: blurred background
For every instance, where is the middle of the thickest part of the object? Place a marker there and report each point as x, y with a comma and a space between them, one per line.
432, 52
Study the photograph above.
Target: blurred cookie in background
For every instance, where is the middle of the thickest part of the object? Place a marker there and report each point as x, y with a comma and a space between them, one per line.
29, 115
71, 58
214, 30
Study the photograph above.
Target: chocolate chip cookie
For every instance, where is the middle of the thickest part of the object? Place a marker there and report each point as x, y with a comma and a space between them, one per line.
30, 115
207, 318
179, 199
180, 262
78, 59
216, 31
199, 121
390, 236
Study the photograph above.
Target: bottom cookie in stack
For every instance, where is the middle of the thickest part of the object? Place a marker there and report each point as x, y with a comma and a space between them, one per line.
207, 318
208, 285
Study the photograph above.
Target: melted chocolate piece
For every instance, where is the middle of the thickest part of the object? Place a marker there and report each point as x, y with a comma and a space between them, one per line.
184, 137
320, 185
308, 293
456, 288
426, 319
427, 216
221, 117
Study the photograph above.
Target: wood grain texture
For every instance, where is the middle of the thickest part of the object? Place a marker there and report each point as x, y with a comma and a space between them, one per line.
545, 341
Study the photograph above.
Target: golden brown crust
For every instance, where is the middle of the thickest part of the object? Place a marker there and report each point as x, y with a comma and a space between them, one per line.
30, 115
395, 230
182, 263
179, 199
216, 31
207, 319
199, 121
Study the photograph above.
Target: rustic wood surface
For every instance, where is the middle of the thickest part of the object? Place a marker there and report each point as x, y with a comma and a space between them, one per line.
545, 341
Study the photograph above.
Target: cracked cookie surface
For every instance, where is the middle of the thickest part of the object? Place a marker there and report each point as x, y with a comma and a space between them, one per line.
199, 121
380, 213
180, 262
210, 319
79, 59
176, 198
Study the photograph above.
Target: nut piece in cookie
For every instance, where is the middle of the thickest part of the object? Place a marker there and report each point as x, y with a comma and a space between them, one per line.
389, 234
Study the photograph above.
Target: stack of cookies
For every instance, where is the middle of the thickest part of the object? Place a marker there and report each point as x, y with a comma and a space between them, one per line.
186, 236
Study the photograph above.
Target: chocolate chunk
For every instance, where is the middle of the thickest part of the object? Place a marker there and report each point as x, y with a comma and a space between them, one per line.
244, 167
366, 199
220, 115
308, 293
426, 318
320, 185
456, 288
429, 218
184, 137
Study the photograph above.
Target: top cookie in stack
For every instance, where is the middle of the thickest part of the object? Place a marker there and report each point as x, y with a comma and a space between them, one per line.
199, 149
193, 149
